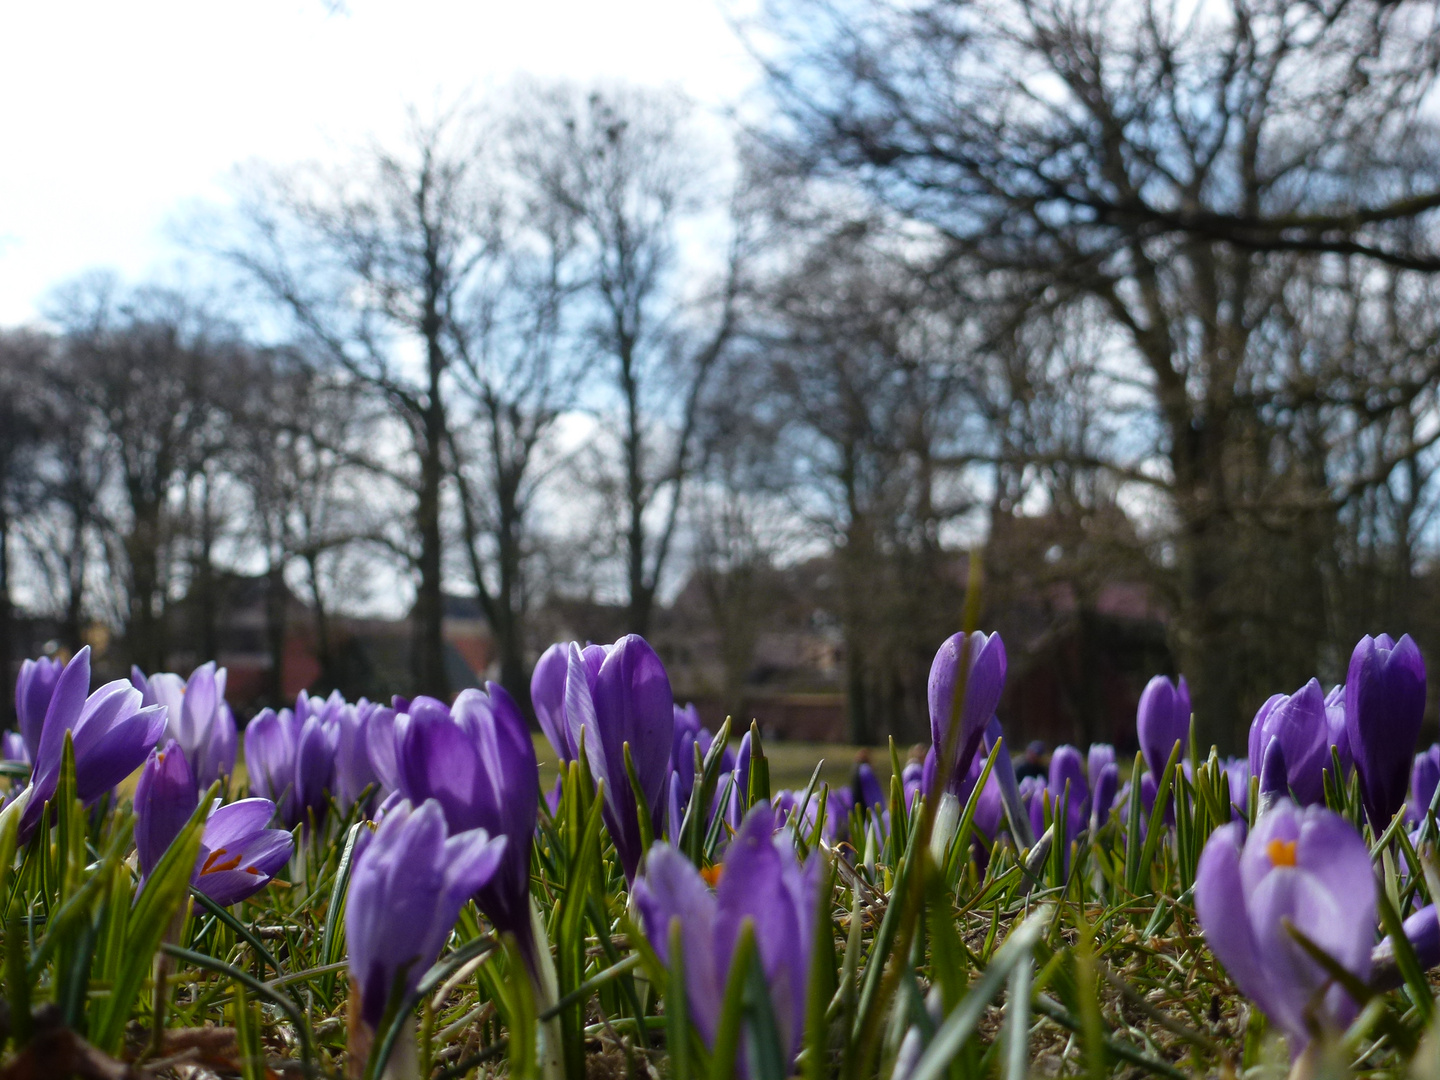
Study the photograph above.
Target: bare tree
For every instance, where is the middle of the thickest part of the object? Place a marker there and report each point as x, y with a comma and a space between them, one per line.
148, 365
624, 163
374, 262
1174, 171
22, 358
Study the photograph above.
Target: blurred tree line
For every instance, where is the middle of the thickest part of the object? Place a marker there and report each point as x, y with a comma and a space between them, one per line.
1117, 291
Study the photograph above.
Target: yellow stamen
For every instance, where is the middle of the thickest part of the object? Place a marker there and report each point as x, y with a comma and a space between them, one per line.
1281, 852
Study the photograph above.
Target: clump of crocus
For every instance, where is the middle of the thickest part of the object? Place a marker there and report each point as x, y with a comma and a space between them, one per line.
984, 682
408, 881
290, 758
615, 696
761, 881
1301, 867
197, 718
1384, 705
239, 853
1301, 725
476, 761
112, 732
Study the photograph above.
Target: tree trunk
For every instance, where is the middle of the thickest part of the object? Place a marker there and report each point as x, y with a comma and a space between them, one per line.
275, 619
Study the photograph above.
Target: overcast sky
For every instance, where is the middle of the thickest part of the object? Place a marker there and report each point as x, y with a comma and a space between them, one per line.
116, 118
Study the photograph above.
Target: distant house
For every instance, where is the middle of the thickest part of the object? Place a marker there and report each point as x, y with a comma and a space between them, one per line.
367, 657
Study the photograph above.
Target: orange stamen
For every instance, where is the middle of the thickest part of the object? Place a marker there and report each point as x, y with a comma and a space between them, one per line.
711, 874
1281, 852
212, 867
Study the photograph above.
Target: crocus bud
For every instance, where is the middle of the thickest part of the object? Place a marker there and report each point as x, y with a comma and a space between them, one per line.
1307, 867
1423, 931
13, 748
619, 695
354, 772
1384, 705
33, 689
407, 884
1237, 772
761, 882
1339, 739
869, 795
317, 744
1106, 784
1096, 758
1424, 778
270, 759
912, 781
1162, 720
476, 761
1300, 723
1069, 789
165, 798
984, 684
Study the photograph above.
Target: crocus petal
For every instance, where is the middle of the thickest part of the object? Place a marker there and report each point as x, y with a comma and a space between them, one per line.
547, 694
1224, 919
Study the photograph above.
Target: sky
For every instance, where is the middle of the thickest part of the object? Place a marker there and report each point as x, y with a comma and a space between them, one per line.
117, 120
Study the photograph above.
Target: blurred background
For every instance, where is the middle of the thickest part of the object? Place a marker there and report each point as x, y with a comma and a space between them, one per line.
375, 347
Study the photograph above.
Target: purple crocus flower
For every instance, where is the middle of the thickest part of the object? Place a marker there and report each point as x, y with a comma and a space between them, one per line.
1423, 930
111, 731
1068, 786
1307, 866
1424, 779
1300, 724
869, 795
1105, 785
1339, 739
196, 717
983, 686
165, 798
407, 884
1096, 758
1237, 772
838, 805
354, 769
13, 748
617, 695
547, 694
912, 779
238, 856
476, 761
317, 745
33, 690
1384, 704
761, 881
1161, 720
270, 759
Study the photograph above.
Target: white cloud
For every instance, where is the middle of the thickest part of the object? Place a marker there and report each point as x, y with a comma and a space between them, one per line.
113, 116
